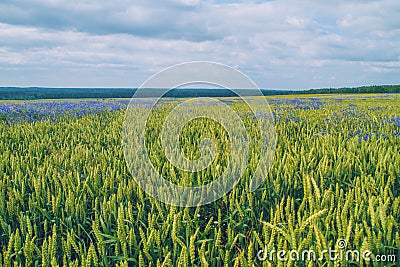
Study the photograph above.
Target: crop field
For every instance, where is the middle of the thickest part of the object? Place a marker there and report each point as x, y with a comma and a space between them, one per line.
67, 197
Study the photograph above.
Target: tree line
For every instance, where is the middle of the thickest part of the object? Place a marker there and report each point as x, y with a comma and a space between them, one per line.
33, 93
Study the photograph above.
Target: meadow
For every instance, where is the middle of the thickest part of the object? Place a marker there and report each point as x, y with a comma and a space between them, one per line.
67, 197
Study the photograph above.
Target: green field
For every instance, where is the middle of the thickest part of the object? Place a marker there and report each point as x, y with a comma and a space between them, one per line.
68, 199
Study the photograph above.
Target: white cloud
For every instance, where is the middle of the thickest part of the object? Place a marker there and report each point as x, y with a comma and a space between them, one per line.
281, 44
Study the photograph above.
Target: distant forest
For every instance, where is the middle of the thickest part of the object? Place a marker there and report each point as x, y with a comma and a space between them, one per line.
32, 93
356, 90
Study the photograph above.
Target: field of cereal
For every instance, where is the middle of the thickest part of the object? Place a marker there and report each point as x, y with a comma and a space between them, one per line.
68, 199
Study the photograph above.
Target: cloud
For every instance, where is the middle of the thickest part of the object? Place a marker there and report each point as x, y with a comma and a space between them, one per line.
162, 19
281, 44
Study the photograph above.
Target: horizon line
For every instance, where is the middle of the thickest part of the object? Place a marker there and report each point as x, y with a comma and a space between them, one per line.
191, 88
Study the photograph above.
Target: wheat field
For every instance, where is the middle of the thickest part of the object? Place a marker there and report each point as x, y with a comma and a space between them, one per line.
67, 197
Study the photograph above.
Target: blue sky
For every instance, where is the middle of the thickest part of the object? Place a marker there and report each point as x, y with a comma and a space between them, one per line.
278, 44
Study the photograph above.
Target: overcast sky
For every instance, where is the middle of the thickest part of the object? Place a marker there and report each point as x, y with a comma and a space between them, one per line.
278, 44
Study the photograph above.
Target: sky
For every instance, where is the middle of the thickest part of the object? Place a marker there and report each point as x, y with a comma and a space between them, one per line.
278, 44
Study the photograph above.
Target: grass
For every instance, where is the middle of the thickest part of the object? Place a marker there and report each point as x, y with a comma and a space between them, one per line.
68, 199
